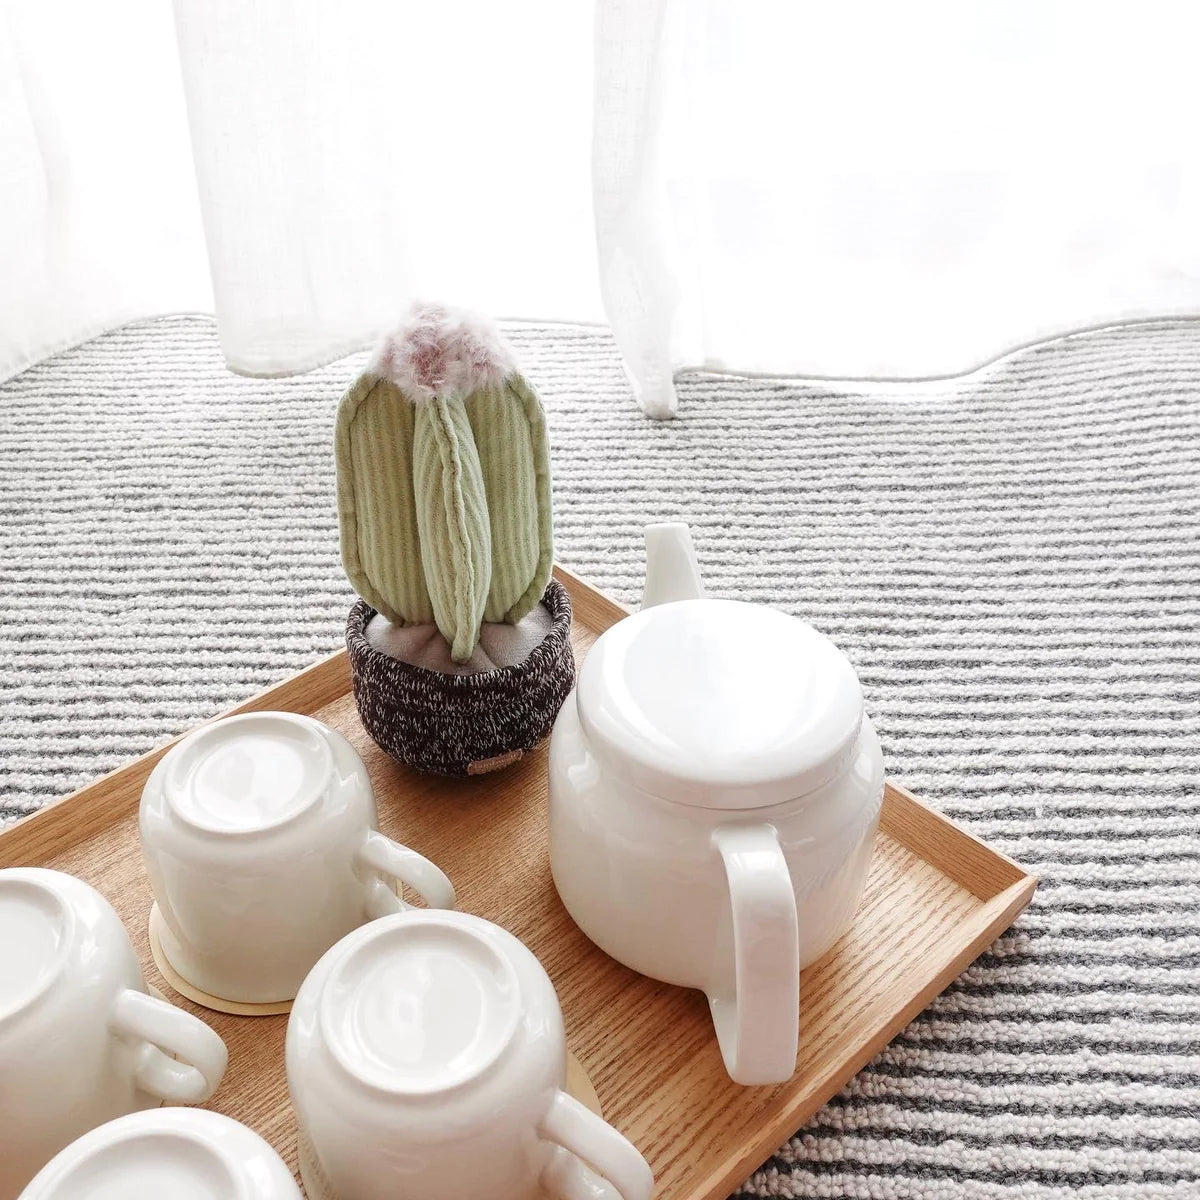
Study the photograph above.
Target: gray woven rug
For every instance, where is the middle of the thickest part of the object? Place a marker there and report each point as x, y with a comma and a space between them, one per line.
1011, 560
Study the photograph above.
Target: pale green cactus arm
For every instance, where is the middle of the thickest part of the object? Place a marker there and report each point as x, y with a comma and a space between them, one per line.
444, 481
452, 521
377, 511
510, 434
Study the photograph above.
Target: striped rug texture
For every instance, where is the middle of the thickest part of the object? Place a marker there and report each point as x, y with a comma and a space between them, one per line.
1011, 560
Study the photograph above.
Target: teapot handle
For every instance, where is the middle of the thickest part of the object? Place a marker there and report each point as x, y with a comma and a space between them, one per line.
756, 1013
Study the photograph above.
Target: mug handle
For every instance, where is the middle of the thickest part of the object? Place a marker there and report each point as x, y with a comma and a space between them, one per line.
180, 1059
597, 1145
757, 1019
428, 880
566, 1178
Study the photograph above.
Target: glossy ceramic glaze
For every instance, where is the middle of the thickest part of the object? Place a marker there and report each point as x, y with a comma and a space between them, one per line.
259, 838
166, 1154
81, 1041
428, 1043
715, 788
720, 704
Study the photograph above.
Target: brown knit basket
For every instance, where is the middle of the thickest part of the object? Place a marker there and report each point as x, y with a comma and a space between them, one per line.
462, 724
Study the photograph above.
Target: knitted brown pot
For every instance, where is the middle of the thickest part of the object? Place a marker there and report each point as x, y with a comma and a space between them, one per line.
462, 724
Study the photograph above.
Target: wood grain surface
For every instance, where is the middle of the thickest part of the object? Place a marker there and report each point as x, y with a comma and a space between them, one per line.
936, 898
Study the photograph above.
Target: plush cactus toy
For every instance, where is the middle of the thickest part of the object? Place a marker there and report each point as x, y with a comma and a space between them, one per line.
444, 480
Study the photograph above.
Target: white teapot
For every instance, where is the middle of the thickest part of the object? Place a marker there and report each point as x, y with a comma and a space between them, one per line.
715, 788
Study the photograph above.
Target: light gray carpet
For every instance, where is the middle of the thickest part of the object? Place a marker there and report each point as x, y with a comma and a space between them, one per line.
1012, 561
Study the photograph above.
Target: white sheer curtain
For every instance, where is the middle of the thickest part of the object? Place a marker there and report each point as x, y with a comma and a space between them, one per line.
889, 190
98, 216
853, 189
351, 156
343, 159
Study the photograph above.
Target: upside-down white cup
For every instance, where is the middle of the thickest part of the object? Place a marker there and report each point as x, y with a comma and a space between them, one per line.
259, 837
81, 1040
429, 1043
166, 1154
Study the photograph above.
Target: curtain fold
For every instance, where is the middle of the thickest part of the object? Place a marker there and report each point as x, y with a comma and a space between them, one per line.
353, 157
633, 229
99, 222
306, 169
896, 191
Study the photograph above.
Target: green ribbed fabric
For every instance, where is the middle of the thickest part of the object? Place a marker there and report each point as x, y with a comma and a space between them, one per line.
510, 432
452, 521
381, 546
444, 505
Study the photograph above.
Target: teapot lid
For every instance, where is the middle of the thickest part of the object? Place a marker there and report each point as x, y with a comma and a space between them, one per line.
720, 704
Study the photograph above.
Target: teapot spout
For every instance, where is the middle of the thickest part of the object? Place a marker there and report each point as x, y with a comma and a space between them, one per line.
671, 569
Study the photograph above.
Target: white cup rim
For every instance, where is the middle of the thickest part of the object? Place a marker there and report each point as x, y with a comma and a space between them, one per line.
460, 934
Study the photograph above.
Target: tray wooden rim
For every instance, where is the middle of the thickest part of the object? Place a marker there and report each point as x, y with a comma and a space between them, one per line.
1000, 883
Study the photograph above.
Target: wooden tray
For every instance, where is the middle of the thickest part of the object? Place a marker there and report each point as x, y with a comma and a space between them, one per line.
935, 899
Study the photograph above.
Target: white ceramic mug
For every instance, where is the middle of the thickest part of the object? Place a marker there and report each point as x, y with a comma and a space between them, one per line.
715, 788
166, 1154
81, 1040
259, 837
427, 1050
